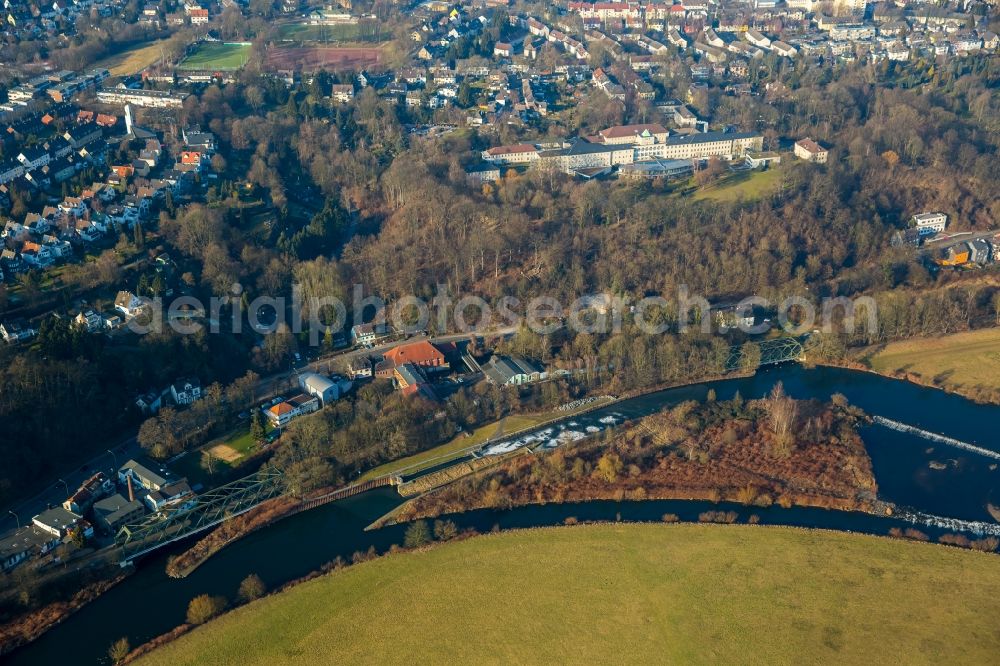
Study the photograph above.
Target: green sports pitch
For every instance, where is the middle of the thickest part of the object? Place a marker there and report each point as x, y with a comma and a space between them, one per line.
216, 56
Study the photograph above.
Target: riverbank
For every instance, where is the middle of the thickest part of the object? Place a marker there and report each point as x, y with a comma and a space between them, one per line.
965, 364
779, 594
226, 533
31, 625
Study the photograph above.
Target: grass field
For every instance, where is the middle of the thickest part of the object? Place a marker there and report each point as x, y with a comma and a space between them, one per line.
228, 452
455, 447
961, 360
132, 60
305, 32
627, 594
216, 56
746, 185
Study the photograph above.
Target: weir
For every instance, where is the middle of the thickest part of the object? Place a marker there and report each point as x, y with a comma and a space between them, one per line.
934, 437
976, 527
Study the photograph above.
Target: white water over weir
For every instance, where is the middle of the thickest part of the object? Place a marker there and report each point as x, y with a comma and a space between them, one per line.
934, 437
976, 527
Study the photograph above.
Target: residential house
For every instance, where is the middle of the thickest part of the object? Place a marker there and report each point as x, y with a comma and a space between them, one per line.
91, 490
36, 255
175, 494
89, 321
186, 391
142, 476
810, 151
33, 158
360, 367
342, 93
281, 414
369, 334
129, 304
149, 402
16, 330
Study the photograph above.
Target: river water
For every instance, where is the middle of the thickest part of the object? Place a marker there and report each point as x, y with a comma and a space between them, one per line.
149, 603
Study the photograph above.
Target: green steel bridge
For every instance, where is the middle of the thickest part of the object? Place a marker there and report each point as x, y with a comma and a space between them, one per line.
772, 352
203, 512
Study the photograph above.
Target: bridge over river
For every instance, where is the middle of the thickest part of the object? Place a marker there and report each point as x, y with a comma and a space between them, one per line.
203, 512
772, 352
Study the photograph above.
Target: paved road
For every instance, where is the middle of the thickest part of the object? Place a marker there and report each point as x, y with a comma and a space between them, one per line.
948, 239
56, 491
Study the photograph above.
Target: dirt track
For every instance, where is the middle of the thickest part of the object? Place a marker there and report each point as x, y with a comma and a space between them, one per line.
311, 58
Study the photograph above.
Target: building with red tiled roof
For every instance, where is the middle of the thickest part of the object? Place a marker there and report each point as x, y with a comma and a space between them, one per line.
520, 153
422, 354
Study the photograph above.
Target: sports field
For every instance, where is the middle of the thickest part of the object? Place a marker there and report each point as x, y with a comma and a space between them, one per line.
962, 360
216, 56
313, 58
677, 594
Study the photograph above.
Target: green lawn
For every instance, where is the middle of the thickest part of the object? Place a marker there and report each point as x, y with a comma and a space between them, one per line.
746, 185
962, 360
216, 56
619, 594
457, 447
305, 32
229, 452
242, 442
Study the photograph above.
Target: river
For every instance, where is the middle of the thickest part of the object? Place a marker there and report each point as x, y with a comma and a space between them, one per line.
150, 603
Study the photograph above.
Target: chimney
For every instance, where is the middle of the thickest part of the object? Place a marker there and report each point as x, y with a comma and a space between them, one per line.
128, 119
131, 493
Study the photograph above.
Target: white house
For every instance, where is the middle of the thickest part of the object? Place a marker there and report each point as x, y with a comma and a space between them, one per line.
16, 330
129, 304
810, 151
186, 391
930, 223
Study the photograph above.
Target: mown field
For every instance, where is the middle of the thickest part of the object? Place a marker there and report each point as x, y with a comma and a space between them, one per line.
216, 56
627, 593
743, 185
369, 31
962, 360
132, 60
